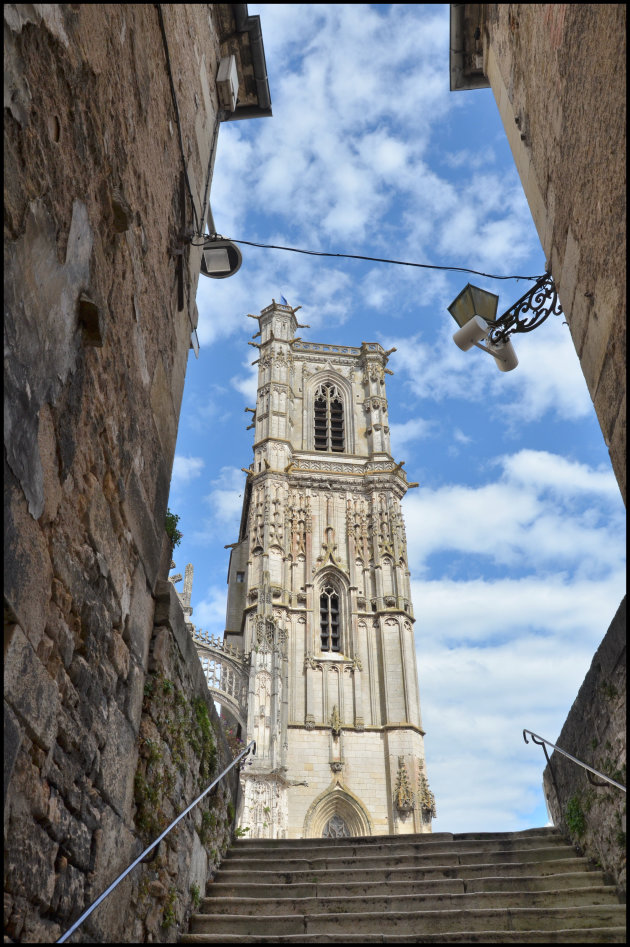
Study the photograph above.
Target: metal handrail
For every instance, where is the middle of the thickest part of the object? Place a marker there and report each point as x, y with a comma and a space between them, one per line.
540, 741
153, 845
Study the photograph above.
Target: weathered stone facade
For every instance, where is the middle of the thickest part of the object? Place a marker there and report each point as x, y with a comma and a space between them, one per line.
111, 124
319, 600
558, 74
594, 817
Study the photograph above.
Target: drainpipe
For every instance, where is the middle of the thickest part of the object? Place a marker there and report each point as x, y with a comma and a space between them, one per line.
456, 46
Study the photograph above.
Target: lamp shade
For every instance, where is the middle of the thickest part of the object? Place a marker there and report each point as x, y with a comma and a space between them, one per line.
504, 355
473, 301
220, 258
473, 332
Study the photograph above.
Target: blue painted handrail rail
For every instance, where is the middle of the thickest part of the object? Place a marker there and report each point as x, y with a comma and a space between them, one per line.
251, 746
540, 741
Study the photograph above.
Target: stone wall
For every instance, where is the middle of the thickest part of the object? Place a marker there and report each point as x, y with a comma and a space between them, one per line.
593, 817
65, 845
557, 72
182, 749
103, 175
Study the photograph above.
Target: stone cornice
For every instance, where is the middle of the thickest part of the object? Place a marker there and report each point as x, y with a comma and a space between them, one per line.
368, 728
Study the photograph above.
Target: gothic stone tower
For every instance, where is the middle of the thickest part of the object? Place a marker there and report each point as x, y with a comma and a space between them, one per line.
319, 598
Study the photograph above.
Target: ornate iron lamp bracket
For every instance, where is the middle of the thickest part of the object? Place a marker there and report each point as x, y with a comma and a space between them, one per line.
528, 312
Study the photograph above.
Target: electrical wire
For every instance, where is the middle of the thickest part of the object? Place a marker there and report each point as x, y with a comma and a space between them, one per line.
213, 153
374, 259
177, 119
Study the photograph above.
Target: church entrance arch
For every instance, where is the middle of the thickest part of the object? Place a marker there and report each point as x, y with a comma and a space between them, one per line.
337, 813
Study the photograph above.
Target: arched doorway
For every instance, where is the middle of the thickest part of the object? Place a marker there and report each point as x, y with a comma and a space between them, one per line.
337, 813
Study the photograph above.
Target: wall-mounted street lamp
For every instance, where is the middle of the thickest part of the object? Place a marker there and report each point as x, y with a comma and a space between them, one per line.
220, 258
474, 311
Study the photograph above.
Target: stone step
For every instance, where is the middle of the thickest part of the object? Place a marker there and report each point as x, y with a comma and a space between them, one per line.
586, 935
408, 845
411, 922
426, 873
525, 887
377, 859
403, 903
244, 844
363, 888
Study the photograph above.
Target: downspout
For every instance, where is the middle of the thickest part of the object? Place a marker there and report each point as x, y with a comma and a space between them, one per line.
459, 79
456, 46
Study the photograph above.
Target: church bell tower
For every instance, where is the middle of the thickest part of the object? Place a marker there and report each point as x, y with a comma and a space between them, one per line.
319, 599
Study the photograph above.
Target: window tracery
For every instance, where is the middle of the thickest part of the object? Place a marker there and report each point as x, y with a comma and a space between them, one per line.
336, 828
328, 419
329, 619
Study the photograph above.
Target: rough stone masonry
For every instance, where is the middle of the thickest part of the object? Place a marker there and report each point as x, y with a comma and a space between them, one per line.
111, 122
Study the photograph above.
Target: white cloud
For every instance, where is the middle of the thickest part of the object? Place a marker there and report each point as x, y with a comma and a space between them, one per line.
499, 654
225, 501
209, 611
185, 469
226, 497
493, 659
532, 518
565, 477
480, 613
548, 379
481, 158
403, 434
247, 384
517, 566
342, 166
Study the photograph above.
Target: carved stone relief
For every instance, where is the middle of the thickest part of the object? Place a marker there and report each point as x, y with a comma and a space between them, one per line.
426, 799
265, 808
403, 793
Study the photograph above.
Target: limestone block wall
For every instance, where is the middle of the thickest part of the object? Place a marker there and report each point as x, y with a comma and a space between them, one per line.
557, 72
99, 310
594, 817
75, 818
181, 750
362, 756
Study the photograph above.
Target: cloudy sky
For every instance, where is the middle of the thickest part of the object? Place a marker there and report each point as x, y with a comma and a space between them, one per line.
515, 533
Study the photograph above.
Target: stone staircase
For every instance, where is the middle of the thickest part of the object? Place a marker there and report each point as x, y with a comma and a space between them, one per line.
487, 887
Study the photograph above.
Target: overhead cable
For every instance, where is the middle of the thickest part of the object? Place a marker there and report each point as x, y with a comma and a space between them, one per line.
373, 259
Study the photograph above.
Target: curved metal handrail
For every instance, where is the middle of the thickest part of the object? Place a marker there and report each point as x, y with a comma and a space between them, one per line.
540, 741
153, 845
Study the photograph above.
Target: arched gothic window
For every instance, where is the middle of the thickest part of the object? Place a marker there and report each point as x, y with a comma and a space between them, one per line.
329, 433
329, 619
336, 828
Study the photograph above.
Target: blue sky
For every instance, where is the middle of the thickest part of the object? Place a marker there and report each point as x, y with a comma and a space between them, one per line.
516, 533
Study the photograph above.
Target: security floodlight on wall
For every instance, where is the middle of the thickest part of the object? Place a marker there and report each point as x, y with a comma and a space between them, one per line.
474, 311
220, 258
227, 83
